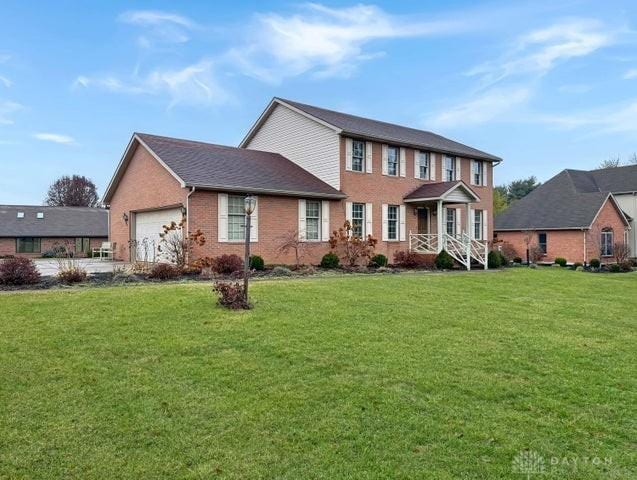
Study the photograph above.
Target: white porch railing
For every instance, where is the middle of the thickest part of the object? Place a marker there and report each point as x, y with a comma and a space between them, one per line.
462, 248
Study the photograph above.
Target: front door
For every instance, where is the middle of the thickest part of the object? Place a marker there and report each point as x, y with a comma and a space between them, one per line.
423, 220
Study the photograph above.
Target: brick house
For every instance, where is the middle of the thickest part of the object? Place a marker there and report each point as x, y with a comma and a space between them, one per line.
311, 169
29, 231
577, 215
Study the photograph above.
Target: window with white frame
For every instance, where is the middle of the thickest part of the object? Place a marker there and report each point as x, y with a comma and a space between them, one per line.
313, 220
393, 157
451, 221
478, 173
607, 242
450, 168
542, 242
358, 219
392, 222
236, 217
358, 156
423, 165
477, 224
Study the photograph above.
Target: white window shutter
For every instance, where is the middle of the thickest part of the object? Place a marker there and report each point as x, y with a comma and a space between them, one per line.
348, 154
458, 221
302, 222
368, 220
402, 218
368, 157
471, 175
403, 162
325, 220
444, 219
485, 227
416, 164
222, 217
348, 212
458, 172
254, 222
485, 167
384, 159
472, 219
432, 166
385, 227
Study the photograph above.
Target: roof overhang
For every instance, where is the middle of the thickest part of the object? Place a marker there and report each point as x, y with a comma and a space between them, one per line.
612, 198
471, 195
268, 191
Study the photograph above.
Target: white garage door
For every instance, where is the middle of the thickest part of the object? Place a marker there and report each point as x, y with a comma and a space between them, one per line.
148, 227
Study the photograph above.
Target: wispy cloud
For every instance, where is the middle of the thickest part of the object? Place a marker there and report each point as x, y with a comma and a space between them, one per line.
193, 85
539, 51
159, 26
55, 138
326, 41
4, 80
630, 74
621, 118
7, 109
489, 105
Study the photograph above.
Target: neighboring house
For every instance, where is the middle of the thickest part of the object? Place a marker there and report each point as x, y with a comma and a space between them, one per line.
33, 230
577, 215
311, 169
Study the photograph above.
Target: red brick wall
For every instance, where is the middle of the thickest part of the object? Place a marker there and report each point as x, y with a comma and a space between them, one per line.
7, 245
569, 244
145, 185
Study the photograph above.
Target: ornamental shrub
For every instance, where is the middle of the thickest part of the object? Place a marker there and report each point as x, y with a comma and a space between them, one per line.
576, 265
561, 261
230, 295
330, 260
164, 271
614, 268
18, 271
378, 261
256, 262
517, 260
444, 261
227, 264
494, 260
626, 266
595, 263
281, 272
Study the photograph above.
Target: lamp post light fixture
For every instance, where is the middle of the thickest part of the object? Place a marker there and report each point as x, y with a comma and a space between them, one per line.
250, 204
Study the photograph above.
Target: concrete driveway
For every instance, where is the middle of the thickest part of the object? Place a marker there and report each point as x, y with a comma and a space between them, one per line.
50, 266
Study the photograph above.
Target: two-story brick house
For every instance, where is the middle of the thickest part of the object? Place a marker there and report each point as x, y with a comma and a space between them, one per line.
311, 169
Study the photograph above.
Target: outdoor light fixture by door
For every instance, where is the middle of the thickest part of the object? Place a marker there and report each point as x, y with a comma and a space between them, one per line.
250, 204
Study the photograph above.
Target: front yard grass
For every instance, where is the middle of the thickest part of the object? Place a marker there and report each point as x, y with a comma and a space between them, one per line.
396, 376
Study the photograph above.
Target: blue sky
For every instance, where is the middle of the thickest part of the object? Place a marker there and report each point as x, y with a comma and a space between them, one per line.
545, 85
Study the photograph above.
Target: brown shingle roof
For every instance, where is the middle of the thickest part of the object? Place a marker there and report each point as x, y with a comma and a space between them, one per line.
436, 190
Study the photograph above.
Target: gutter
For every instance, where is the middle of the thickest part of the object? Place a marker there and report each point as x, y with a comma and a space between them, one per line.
192, 190
288, 193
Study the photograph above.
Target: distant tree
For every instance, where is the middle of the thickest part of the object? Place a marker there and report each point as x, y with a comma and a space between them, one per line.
521, 188
500, 202
611, 162
633, 158
74, 191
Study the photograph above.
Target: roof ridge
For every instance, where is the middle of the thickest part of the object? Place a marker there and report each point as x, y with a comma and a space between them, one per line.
218, 145
49, 206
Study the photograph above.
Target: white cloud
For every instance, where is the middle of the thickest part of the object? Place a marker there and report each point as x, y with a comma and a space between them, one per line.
159, 26
630, 74
191, 85
5, 81
7, 108
490, 105
55, 138
614, 119
539, 51
326, 41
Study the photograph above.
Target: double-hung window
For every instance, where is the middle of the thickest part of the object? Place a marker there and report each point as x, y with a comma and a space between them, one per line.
451, 221
423, 165
358, 219
236, 218
82, 245
450, 168
607, 243
27, 245
542, 242
312, 220
477, 224
393, 158
478, 172
392, 222
358, 156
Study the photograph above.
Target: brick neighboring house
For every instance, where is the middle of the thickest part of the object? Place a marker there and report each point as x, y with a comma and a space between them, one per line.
32, 230
311, 169
577, 215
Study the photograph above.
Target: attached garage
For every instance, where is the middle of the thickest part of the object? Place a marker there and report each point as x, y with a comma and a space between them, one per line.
148, 227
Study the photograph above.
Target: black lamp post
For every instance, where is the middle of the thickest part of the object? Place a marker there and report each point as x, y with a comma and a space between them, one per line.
249, 205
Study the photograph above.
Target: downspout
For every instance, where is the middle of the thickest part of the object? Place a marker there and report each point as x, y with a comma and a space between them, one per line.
192, 190
585, 249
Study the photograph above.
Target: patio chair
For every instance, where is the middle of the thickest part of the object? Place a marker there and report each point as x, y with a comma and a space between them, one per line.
105, 250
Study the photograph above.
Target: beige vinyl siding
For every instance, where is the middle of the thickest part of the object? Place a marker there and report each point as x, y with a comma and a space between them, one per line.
307, 143
628, 203
458, 195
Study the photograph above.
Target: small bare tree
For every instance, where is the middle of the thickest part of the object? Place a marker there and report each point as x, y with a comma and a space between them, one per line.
291, 242
621, 252
174, 246
529, 237
351, 248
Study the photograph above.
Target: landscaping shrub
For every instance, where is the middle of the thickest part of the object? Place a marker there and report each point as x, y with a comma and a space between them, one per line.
18, 271
614, 268
561, 261
517, 260
444, 261
71, 273
576, 265
626, 266
330, 260
413, 260
350, 248
226, 264
507, 252
281, 272
378, 260
230, 295
595, 263
257, 263
164, 271
55, 252
533, 266
556, 265
494, 260
579, 269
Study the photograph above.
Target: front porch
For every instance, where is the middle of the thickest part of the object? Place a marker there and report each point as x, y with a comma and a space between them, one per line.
440, 226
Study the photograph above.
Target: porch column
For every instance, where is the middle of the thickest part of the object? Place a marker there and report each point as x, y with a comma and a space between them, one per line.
439, 222
468, 219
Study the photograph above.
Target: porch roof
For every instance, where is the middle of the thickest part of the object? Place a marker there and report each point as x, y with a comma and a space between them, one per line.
456, 192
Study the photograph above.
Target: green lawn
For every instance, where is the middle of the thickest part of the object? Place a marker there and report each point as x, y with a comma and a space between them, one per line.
396, 376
